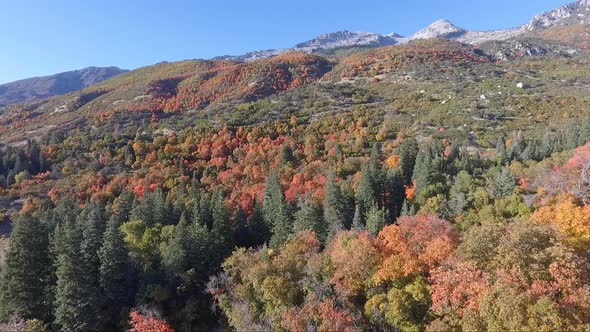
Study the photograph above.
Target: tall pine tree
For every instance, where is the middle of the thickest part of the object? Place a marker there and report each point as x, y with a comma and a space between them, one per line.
334, 207
275, 210
26, 274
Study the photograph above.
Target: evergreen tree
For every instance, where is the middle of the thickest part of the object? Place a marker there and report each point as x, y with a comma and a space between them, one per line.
257, 228
309, 217
423, 169
275, 210
501, 153
115, 274
242, 233
504, 183
73, 310
201, 212
572, 135
408, 209
357, 222
376, 219
584, 134
546, 145
365, 194
334, 208
161, 214
395, 192
26, 273
222, 231
176, 256
376, 170
92, 239
287, 157
408, 151
122, 207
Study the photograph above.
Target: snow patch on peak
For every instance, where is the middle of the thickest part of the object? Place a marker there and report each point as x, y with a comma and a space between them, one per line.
345, 38
439, 29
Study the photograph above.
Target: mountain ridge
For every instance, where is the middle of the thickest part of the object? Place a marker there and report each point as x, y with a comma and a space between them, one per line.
573, 13
36, 88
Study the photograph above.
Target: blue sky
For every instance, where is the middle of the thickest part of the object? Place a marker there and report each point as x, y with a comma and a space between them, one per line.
41, 37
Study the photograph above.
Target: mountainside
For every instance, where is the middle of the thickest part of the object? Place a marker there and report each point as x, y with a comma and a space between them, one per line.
36, 88
433, 183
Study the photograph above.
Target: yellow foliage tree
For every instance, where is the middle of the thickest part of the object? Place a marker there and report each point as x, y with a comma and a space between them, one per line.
569, 218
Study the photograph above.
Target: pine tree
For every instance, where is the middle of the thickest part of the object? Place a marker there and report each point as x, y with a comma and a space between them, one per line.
547, 145
161, 214
408, 209
71, 299
222, 231
504, 183
501, 153
26, 273
92, 239
242, 237
115, 273
376, 219
334, 208
357, 222
423, 169
395, 192
176, 256
123, 206
309, 217
275, 210
365, 194
201, 211
287, 157
572, 135
376, 170
257, 228
408, 151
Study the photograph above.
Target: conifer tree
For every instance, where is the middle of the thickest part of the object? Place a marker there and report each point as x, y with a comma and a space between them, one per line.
395, 192
92, 239
357, 222
275, 210
176, 256
334, 208
546, 145
584, 134
376, 219
365, 195
408, 151
26, 273
161, 214
504, 183
423, 169
309, 217
72, 312
222, 231
115, 273
257, 228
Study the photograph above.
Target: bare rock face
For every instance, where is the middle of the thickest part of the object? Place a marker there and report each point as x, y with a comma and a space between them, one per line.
574, 13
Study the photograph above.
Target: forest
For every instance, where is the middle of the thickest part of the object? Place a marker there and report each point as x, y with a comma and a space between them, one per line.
419, 187
264, 228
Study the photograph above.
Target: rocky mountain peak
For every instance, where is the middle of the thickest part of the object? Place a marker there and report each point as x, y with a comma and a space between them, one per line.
439, 29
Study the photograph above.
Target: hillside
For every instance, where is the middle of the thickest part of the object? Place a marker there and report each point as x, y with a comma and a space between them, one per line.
36, 88
405, 184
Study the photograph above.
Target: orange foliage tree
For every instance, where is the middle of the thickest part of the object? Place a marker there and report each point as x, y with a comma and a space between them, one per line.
142, 322
412, 246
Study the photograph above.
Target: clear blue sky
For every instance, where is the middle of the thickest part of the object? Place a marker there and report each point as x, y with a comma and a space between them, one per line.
41, 37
